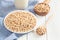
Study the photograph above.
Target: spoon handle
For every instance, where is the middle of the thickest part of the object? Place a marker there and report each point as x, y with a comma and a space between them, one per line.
46, 1
49, 18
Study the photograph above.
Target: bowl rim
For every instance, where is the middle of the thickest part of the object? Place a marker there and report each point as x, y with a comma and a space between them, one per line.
19, 11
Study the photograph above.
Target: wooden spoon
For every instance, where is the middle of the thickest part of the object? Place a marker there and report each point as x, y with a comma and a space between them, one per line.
42, 9
42, 29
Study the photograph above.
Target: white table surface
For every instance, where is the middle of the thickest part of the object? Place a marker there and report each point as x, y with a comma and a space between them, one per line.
53, 26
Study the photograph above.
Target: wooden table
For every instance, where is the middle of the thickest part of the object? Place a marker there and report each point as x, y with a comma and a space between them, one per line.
52, 27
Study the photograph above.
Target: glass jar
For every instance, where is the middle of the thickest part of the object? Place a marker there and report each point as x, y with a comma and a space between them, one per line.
21, 4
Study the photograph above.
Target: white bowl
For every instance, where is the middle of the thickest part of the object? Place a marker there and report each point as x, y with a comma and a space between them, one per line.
19, 11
